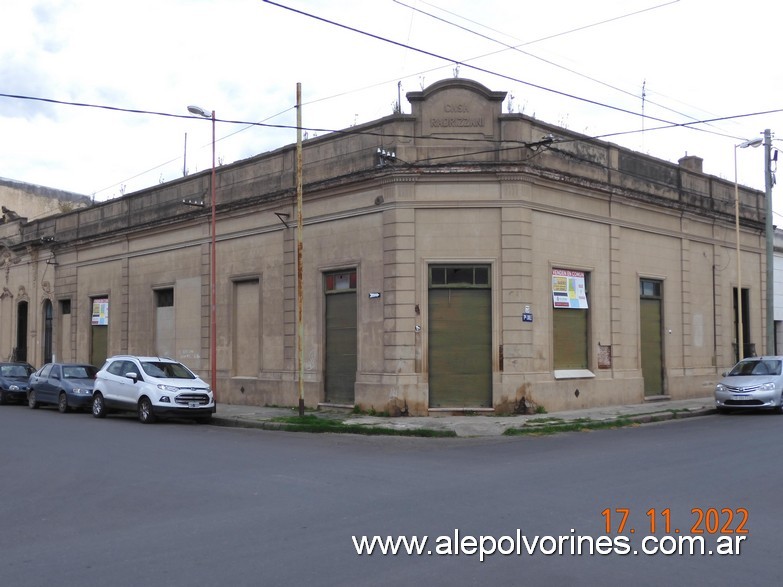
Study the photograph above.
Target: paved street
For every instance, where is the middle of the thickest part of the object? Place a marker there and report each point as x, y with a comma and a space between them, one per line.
112, 502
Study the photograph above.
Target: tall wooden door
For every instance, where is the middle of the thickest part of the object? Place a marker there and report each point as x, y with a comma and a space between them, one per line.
341, 338
651, 329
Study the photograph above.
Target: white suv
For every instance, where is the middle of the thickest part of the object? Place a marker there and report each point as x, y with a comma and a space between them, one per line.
153, 387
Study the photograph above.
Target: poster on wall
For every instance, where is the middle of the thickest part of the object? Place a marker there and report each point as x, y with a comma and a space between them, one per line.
100, 312
568, 289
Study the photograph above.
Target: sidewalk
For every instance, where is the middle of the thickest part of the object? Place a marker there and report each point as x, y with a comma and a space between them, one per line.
464, 425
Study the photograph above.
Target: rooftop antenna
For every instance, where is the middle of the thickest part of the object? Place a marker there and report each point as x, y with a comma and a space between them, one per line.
644, 95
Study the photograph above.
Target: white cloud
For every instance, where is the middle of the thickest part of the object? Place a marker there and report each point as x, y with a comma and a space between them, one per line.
244, 57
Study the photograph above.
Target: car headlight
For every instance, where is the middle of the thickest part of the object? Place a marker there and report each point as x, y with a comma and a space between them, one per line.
168, 388
769, 386
720, 387
13, 388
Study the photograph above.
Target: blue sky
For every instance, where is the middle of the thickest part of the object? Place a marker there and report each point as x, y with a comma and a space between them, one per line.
576, 64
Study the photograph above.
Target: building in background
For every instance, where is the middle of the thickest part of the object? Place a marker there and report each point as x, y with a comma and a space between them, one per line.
20, 203
455, 258
31, 202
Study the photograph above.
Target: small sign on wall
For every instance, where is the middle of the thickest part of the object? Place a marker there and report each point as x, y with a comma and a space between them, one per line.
527, 315
100, 312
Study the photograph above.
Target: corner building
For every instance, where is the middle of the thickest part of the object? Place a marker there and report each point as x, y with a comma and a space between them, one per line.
456, 258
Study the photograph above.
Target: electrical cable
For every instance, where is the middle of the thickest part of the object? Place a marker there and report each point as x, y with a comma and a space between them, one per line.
468, 65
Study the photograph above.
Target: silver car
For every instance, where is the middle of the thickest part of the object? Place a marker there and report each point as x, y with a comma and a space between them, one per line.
753, 383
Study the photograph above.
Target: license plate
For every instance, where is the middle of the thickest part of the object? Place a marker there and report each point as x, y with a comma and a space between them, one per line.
740, 395
192, 404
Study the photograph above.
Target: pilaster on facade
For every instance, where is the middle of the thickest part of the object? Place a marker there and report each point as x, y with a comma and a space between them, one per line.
616, 292
722, 337
516, 279
686, 307
400, 300
206, 306
289, 301
125, 311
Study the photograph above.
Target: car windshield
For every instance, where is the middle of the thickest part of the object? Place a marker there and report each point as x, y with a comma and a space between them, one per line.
79, 372
166, 370
757, 367
15, 371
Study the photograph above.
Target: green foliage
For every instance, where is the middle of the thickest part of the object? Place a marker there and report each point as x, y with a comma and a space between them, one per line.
553, 427
313, 423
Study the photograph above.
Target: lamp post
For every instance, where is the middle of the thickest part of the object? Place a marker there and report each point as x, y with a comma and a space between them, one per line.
740, 332
213, 261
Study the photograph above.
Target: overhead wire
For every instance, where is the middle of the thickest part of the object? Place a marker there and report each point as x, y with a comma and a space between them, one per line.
358, 131
468, 65
518, 49
667, 124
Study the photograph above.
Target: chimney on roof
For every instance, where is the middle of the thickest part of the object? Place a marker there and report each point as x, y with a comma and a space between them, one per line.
692, 163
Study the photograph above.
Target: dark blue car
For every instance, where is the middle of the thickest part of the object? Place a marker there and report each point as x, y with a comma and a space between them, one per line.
13, 382
65, 385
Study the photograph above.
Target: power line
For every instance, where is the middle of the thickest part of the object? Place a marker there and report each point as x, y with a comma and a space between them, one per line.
547, 61
547, 143
466, 64
355, 131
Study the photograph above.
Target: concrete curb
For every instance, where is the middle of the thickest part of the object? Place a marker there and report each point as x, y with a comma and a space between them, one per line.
379, 429
672, 415
446, 429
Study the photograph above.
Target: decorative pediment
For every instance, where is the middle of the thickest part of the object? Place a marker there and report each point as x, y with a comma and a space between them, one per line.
457, 106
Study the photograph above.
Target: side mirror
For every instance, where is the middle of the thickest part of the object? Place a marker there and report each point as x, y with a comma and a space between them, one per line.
132, 375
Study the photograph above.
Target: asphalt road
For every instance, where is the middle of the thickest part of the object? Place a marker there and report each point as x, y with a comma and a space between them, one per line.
112, 502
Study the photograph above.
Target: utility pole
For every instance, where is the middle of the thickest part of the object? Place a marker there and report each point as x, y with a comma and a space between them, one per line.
770, 237
299, 247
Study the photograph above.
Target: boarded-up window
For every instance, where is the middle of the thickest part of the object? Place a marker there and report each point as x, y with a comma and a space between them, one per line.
246, 341
64, 353
165, 330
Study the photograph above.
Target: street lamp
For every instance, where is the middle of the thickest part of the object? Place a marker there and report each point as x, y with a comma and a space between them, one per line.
740, 333
213, 261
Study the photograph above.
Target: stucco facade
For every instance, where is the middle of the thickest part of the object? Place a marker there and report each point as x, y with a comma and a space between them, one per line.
434, 247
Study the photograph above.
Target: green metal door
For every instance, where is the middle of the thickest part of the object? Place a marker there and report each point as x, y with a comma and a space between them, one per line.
460, 348
99, 343
341, 343
651, 328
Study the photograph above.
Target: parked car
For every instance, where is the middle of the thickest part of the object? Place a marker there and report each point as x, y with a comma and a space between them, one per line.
153, 387
13, 382
753, 383
66, 385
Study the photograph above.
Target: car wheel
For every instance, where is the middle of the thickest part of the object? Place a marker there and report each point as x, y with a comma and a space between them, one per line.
32, 402
145, 411
62, 403
98, 407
